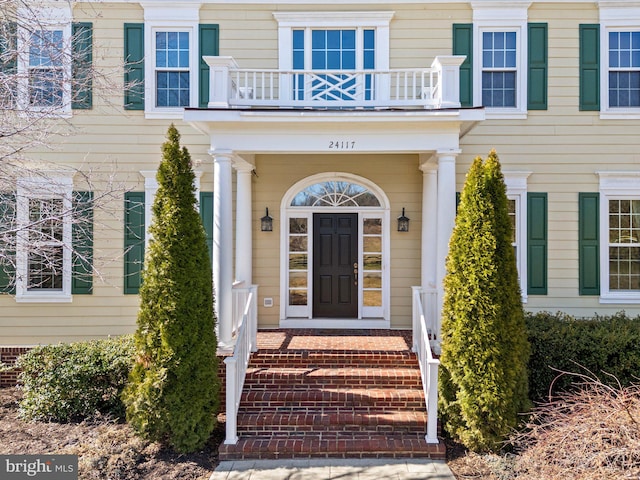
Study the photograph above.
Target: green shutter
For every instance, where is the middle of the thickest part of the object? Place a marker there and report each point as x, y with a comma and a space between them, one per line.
8, 38
134, 66
208, 45
536, 243
206, 214
134, 237
588, 243
82, 242
82, 47
590, 67
463, 45
7, 243
458, 198
538, 65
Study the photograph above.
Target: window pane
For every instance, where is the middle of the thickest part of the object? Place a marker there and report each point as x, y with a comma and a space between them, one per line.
298, 244
297, 297
372, 244
297, 225
298, 261
335, 194
372, 280
372, 262
46, 252
372, 226
297, 279
372, 298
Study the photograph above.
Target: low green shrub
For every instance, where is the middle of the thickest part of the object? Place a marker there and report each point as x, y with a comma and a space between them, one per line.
70, 382
605, 346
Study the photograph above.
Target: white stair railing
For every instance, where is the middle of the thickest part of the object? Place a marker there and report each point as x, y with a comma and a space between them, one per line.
424, 336
236, 365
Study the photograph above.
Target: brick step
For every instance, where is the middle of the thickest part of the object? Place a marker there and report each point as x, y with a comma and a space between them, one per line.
335, 445
257, 401
343, 420
318, 358
301, 378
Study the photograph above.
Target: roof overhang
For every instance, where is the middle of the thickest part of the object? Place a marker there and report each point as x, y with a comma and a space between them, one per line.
333, 131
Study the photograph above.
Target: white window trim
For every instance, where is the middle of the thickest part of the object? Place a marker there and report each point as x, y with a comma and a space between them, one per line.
382, 319
615, 17
56, 185
516, 183
614, 186
50, 17
176, 17
498, 17
150, 190
287, 21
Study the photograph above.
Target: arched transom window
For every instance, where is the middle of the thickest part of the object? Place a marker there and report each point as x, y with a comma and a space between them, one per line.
335, 194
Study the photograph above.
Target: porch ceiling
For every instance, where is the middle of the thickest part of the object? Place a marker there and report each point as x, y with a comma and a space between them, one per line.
333, 131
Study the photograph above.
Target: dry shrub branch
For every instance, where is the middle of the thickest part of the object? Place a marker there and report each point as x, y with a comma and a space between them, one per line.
592, 433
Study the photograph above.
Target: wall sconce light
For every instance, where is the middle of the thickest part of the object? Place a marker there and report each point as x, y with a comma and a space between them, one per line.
403, 223
266, 222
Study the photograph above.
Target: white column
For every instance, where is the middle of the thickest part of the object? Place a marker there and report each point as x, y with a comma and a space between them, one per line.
223, 245
244, 241
446, 215
429, 223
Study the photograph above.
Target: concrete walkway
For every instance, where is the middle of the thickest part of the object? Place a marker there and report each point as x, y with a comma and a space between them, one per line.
330, 469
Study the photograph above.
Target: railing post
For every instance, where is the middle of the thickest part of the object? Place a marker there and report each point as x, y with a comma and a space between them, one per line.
432, 401
254, 318
220, 84
232, 414
447, 69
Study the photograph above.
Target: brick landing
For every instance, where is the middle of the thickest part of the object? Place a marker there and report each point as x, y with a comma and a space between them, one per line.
332, 393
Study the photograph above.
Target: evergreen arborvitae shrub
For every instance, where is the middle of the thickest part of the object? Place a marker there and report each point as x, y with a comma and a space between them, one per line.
483, 374
172, 395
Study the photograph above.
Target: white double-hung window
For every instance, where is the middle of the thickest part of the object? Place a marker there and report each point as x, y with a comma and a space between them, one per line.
620, 59
43, 242
619, 237
624, 69
45, 60
500, 47
171, 68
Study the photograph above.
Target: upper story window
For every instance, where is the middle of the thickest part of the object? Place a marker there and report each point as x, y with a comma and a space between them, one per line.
624, 69
46, 68
325, 43
165, 56
172, 68
499, 69
611, 48
500, 59
333, 41
334, 50
49, 51
171, 74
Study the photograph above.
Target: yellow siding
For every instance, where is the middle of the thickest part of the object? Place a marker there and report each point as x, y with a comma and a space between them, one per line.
562, 147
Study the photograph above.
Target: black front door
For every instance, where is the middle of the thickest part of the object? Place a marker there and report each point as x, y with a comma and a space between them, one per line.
335, 265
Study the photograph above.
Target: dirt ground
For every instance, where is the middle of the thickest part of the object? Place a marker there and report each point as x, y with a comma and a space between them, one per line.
106, 449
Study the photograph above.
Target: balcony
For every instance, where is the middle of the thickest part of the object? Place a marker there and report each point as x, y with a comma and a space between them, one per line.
431, 88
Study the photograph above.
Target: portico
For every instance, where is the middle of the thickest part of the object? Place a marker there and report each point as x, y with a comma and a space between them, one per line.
344, 274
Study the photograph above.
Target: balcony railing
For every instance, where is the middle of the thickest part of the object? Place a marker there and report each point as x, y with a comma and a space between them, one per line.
427, 88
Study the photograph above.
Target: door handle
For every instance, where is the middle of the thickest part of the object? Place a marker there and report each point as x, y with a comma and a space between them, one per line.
355, 273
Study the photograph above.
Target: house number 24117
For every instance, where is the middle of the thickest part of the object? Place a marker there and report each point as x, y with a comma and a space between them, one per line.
342, 145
